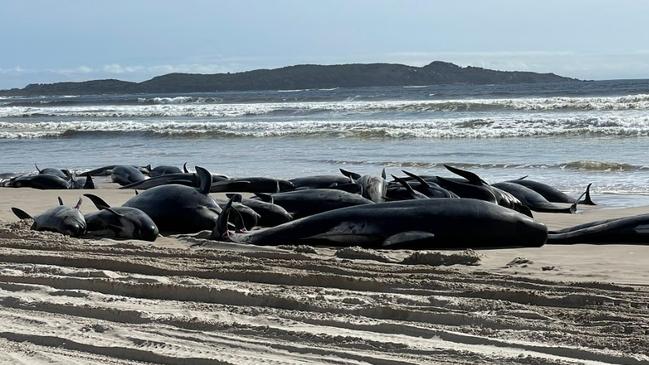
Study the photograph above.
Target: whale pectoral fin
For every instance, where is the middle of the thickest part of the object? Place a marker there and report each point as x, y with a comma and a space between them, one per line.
60, 200
78, 205
383, 174
408, 238
21, 214
642, 229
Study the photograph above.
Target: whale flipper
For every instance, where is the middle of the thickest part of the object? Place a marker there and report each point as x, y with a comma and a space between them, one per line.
473, 178
349, 174
21, 214
97, 201
408, 238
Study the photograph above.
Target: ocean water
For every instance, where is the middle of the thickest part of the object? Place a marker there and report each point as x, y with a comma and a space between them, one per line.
565, 134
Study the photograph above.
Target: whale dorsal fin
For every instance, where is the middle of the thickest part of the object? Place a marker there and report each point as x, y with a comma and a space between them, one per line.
89, 184
587, 200
383, 175
473, 178
185, 168
37, 169
205, 180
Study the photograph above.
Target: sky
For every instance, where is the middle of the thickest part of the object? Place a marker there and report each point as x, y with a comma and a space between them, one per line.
75, 40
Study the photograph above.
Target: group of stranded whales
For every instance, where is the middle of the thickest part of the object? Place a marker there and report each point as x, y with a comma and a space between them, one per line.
412, 211
47, 178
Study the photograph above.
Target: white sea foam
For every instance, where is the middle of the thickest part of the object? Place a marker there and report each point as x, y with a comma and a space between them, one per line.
488, 127
212, 107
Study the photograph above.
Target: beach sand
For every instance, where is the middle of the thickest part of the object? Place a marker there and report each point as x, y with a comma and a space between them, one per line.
66, 300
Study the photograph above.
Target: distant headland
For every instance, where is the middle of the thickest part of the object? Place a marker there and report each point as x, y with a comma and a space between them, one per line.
296, 77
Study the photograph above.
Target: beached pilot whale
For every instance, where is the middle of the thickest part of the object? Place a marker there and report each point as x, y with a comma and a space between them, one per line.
179, 208
62, 219
246, 217
62, 173
164, 170
416, 224
532, 199
126, 174
302, 203
46, 181
40, 181
183, 178
552, 194
400, 188
119, 222
503, 198
270, 215
372, 187
319, 181
634, 229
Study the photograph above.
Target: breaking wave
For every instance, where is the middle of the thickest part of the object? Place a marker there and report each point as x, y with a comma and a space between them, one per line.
192, 106
489, 127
